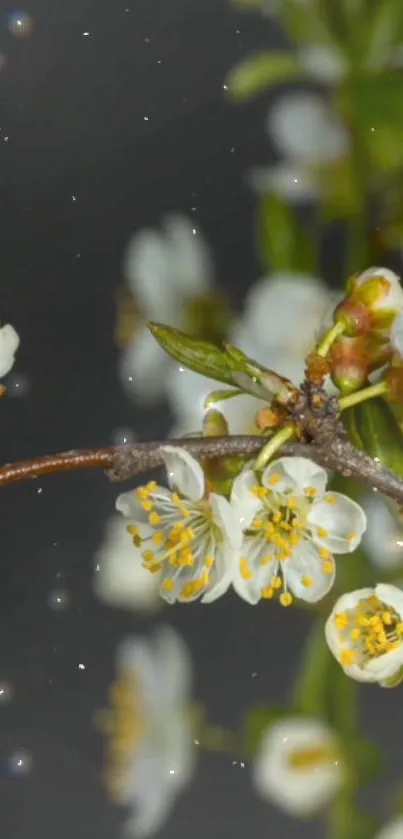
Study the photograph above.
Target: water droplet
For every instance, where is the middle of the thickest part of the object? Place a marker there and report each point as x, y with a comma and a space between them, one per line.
6, 692
86, 33
20, 24
123, 436
59, 599
18, 385
82, 666
74, 198
20, 762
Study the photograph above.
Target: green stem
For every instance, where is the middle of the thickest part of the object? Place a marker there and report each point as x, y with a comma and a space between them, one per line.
286, 433
362, 395
334, 332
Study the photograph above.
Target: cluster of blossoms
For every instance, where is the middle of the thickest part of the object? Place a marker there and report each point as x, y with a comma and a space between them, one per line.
273, 535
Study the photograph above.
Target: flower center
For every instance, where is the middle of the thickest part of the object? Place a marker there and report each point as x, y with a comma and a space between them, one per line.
183, 542
124, 724
312, 757
368, 631
278, 529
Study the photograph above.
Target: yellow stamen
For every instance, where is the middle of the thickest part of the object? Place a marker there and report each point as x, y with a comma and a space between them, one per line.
322, 532
158, 538
307, 582
330, 499
286, 598
311, 492
267, 593
154, 518
276, 582
147, 506
347, 657
245, 570
168, 585
274, 479
341, 620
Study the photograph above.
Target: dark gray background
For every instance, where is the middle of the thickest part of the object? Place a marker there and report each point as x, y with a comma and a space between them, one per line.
73, 107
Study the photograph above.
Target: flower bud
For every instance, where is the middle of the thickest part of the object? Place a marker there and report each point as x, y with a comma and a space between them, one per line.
214, 424
349, 364
374, 300
394, 383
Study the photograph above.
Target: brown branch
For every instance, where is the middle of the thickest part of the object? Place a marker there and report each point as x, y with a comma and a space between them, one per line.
125, 462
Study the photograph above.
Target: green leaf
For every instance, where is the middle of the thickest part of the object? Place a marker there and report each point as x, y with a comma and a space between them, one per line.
200, 356
259, 72
373, 100
373, 428
220, 396
283, 243
342, 193
381, 30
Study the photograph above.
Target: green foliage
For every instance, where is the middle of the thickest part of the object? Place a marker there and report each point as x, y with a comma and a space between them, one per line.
373, 428
259, 72
200, 356
283, 243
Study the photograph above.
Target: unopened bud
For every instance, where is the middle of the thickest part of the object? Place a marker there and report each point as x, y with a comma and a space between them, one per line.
214, 424
374, 300
394, 383
348, 363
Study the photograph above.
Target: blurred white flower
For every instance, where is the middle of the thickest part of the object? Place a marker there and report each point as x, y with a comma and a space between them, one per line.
150, 755
165, 271
292, 528
323, 63
9, 343
305, 129
120, 579
365, 634
287, 180
189, 537
383, 539
299, 766
260, 333
392, 830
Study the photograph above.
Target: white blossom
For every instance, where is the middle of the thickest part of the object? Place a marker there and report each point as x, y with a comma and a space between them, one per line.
392, 830
292, 527
294, 183
365, 633
188, 536
120, 579
383, 538
9, 343
150, 754
323, 63
299, 766
305, 129
165, 271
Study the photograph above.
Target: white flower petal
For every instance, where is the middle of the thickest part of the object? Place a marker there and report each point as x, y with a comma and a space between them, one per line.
227, 554
383, 538
324, 64
184, 472
306, 564
298, 791
392, 830
287, 180
385, 666
392, 596
9, 343
175, 668
243, 502
144, 367
295, 474
188, 256
344, 520
304, 128
147, 271
120, 579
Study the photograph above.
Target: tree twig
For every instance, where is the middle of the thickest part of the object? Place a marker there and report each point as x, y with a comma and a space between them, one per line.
125, 462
